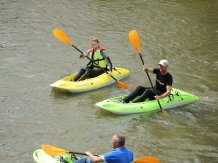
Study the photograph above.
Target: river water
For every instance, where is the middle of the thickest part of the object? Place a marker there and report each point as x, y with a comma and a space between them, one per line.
183, 32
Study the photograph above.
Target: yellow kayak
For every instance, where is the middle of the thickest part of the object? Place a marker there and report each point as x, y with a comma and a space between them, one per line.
100, 81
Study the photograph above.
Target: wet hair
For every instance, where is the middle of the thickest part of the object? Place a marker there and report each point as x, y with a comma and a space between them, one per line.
94, 39
120, 139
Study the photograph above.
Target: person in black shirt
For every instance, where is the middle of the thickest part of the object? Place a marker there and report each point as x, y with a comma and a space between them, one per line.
162, 86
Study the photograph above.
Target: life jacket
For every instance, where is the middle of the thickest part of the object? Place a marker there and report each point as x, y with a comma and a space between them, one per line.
97, 58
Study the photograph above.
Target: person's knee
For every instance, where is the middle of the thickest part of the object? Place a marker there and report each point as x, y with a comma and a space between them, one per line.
150, 91
87, 159
139, 88
82, 70
150, 94
84, 159
88, 71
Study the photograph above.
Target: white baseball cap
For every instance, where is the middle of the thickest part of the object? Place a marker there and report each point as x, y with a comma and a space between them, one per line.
163, 62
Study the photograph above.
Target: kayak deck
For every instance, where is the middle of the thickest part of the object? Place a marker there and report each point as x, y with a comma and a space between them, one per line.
100, 81
177, 98
41, 157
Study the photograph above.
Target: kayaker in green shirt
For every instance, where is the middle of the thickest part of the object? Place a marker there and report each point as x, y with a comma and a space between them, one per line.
101, 61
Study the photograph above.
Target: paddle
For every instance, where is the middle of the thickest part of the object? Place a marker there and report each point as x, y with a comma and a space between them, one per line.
55, 151
135, 41
147, 159
59, 34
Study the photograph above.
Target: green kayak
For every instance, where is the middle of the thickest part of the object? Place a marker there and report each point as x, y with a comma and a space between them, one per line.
41, 157
177, 98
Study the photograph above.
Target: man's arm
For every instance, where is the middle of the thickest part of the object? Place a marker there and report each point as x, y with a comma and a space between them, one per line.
94, 158
145, 67
167, 93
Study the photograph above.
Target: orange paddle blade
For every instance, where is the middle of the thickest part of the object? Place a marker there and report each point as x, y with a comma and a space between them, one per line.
125, 86
134, 40
59, 34
53, 151
147, 159
164, 112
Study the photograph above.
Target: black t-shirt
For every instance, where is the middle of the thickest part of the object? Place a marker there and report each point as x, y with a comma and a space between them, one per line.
162, 80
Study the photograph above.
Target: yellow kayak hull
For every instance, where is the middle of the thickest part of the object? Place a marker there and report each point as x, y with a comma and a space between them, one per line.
100, 81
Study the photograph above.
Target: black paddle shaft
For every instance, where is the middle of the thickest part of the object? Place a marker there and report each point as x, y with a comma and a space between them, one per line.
79, 153
150, 80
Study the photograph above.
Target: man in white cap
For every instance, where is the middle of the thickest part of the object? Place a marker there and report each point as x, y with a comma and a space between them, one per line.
163, 85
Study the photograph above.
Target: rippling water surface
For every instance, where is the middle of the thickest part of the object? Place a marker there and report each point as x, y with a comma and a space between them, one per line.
184, 32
